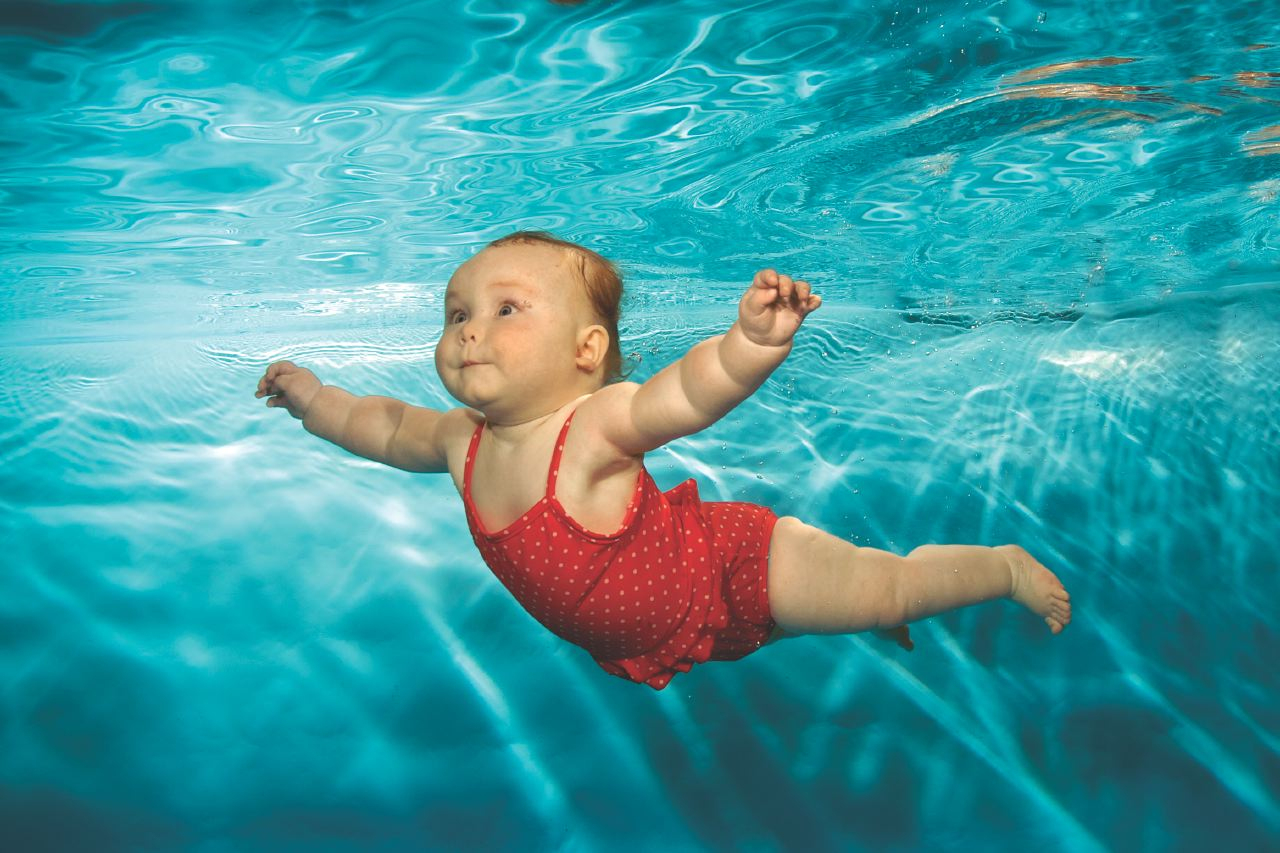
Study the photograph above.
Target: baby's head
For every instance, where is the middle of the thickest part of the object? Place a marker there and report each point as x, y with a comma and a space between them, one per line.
528, 313
601, 285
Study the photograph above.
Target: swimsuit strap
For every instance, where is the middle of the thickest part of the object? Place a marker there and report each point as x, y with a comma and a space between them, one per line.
471, 460
554, 468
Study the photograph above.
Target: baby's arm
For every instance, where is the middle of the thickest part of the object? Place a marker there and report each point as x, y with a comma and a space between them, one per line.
715, 375
383, 429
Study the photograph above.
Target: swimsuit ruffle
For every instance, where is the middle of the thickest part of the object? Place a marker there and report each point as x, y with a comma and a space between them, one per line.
692, 642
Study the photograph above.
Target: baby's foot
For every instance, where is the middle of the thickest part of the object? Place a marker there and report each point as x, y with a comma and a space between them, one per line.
1037, 589
900, 635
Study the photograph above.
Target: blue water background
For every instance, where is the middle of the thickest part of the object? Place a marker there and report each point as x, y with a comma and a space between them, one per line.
1051, 300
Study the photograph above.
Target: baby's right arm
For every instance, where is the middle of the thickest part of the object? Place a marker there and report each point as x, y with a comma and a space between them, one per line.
383, 429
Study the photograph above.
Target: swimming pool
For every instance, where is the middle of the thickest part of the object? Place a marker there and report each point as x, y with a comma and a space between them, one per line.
1048, 243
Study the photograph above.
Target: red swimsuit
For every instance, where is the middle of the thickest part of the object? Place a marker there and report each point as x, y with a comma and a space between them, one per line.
681, 582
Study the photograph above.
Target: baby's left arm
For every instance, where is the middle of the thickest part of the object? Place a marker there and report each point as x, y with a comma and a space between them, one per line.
715, 375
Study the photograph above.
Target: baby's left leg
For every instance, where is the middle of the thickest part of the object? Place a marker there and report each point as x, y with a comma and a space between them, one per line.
819, 584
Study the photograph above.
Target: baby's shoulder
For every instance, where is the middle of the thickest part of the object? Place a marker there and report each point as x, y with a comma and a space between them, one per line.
454, 432
605, 406
457, 426
604, 414
609, 402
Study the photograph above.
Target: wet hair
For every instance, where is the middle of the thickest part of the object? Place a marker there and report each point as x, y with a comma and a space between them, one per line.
600, 280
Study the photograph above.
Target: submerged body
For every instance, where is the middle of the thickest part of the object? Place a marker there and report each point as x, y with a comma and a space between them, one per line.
529, 345
679, 582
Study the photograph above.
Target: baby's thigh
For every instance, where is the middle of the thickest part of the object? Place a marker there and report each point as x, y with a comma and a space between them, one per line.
821, 584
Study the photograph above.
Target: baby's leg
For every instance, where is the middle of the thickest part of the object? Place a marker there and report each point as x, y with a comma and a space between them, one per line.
819, 584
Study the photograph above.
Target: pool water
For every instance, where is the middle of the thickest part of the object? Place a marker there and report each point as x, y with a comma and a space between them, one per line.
1048, 240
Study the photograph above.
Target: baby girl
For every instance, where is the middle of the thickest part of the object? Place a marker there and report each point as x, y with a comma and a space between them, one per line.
548, 455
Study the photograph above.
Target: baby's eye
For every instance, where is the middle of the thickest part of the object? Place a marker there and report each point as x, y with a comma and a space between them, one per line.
457, 316
504, 312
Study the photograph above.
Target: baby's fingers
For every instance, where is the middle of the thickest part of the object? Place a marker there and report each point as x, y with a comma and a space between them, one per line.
269, 378
766, 278
279, 368
787, 288
796, 292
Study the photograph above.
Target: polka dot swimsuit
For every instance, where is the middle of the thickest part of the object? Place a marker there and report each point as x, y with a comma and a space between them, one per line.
681, 582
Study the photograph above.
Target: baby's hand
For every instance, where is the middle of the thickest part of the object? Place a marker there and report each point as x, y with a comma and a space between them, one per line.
774, 308
286, 384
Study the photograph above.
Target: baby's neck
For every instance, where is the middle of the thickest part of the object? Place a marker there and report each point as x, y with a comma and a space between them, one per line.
516, 431
514, 427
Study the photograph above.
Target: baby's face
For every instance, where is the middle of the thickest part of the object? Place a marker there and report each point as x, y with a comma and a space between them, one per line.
512, 316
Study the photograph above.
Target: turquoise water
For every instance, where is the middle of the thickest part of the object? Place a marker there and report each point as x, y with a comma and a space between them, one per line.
1048, 240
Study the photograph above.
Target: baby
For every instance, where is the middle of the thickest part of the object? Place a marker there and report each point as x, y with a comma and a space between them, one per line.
548, 455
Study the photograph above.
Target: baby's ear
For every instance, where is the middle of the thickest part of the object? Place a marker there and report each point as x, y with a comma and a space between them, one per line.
593, 345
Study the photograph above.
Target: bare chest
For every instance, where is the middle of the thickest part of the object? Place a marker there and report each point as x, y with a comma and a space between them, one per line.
506, 483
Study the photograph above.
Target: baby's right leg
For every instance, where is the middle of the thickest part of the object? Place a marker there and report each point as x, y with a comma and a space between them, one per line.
819, 584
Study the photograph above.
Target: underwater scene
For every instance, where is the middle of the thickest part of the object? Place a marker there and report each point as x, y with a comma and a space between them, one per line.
1047, 240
